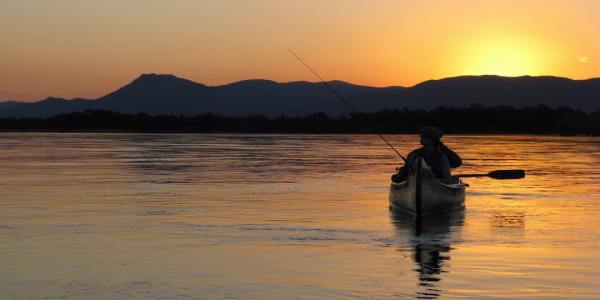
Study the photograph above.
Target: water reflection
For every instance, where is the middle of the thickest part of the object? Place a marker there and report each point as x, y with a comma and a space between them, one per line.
431, 239
155, 154
508, 219
507, 223
244, 158
269, 216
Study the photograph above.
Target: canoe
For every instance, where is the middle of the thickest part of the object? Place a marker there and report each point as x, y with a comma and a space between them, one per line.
422, 193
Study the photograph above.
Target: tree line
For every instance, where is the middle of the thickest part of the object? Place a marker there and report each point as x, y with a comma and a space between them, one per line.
474, 119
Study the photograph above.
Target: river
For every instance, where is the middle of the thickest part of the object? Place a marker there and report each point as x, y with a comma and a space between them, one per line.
224, 216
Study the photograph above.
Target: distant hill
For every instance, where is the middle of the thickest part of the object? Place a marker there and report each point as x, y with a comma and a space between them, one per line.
6, 104
166, 94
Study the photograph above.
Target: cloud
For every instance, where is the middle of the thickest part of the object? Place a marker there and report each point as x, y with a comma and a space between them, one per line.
583, 59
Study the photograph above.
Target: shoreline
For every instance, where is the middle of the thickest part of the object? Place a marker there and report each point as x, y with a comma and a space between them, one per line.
294, 133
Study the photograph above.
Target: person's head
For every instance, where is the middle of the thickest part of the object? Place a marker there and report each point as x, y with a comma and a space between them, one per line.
430, 136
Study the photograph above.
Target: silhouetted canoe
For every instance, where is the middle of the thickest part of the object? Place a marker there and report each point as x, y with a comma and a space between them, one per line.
422, 193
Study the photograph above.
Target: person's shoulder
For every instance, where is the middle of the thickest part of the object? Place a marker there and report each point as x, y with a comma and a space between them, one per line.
416, 152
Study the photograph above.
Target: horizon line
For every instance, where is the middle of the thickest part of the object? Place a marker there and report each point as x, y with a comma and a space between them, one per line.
294, 81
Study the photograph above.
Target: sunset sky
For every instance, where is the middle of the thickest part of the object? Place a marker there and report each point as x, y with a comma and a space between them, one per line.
74, 48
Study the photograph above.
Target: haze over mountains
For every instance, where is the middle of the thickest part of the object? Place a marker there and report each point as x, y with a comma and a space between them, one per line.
166, 94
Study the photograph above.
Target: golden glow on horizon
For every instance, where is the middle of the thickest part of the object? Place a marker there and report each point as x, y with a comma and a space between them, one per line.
505, 58
508, 55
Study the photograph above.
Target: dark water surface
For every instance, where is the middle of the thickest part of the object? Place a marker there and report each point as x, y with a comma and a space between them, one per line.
122, 216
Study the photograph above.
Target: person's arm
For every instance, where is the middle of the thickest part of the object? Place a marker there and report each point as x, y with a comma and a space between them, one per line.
453, 159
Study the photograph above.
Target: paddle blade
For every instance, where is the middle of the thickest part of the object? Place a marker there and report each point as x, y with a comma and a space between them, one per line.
507, 174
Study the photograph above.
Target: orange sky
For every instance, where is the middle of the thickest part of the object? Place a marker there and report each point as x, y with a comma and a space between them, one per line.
73, 48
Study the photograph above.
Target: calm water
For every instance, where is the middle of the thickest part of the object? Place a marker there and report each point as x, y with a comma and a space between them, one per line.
122, 216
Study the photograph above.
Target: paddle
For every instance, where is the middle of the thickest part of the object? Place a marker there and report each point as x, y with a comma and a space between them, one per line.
499, 174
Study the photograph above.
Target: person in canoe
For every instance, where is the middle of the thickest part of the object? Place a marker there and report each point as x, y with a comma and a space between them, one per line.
437, 156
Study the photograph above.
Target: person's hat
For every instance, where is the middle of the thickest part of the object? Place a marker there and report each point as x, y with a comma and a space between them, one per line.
431, 132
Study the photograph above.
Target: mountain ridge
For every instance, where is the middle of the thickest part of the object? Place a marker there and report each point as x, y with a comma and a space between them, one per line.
155, 94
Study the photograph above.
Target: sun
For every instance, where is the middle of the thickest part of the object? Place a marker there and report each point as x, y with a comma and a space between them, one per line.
504, 57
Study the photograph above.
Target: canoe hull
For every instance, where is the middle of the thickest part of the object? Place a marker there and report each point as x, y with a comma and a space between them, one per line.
422, 193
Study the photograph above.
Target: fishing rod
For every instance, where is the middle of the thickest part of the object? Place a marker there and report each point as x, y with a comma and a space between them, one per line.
342, 99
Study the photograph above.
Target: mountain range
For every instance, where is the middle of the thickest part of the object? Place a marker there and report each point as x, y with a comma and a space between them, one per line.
158, 94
